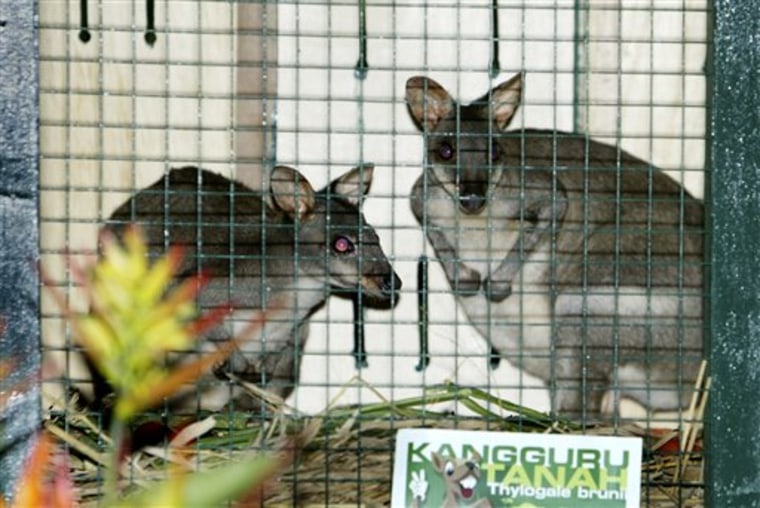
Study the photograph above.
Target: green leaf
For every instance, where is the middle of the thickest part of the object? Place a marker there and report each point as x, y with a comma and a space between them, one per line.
207, 488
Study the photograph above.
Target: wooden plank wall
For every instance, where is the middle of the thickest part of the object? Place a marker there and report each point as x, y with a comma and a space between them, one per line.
116, 113
648, 91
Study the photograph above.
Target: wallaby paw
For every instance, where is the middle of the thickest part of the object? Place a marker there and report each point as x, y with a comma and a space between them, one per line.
468, 283
494, 358
497, 291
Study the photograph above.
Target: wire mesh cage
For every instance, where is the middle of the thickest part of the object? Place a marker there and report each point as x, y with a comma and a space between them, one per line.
530, 262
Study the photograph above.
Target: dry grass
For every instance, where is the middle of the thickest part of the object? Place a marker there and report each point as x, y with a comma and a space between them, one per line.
345, 454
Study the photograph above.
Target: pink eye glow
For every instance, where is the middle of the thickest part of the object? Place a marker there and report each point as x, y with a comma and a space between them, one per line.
343, 245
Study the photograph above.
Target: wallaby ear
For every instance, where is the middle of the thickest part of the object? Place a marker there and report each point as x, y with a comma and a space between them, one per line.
438, 461
428, 102
504, 101
475, 457
291, 192
353, 185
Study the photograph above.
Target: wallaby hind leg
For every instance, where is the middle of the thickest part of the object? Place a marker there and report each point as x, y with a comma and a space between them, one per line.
630, 357
276, 371
581, 369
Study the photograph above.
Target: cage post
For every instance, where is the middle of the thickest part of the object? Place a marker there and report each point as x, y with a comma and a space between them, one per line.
733, 442
19, 250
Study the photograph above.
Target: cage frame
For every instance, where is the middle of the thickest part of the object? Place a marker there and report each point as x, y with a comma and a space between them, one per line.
733, 237
733, 170
19, 226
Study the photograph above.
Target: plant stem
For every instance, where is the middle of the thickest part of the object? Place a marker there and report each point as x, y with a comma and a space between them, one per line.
118, 433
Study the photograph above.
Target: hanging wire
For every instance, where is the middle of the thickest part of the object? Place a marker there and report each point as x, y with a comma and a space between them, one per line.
422, 312
362, 67
84, 31
150, 29
360, 351
495, 66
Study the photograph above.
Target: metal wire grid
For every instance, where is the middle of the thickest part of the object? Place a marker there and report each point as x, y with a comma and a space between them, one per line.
99, 133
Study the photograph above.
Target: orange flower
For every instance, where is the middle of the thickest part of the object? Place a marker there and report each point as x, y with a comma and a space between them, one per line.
45, 480
136, 318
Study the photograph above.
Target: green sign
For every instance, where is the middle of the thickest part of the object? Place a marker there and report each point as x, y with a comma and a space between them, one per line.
449, 468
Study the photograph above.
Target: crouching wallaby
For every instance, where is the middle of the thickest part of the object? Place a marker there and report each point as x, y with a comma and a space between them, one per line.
579, 262
288, 248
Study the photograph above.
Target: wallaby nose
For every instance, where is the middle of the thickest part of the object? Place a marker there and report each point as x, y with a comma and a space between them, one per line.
472, 203
391, 286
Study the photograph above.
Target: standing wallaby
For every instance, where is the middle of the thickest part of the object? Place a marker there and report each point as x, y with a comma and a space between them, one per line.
289, 248
579, 262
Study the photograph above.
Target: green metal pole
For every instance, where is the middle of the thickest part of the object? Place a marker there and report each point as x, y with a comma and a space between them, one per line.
733, 424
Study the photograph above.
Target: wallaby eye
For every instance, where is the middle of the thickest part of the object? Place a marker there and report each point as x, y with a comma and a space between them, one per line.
449, 468
445, 151
342, 245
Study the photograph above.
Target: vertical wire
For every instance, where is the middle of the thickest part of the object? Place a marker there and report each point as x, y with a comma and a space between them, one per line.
650, 206
581, 116
165, 94
361, 129
580, 63
521, 219
297, 153
554, 226
359, 311
492, 356
101, 126
394, 164
458, 132
199, 68
232, 103
423, 310
133, 124
150, 22
586, 68
359, 349
84, 30
425, 223
200, 90
233, 66
489, 225
495, 65
69, 343
266, 168
681, 333
425, 178
362, 65
269, 118
617, 257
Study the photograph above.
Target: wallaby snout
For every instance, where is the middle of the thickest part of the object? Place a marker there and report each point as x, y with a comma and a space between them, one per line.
472, 198
385, 289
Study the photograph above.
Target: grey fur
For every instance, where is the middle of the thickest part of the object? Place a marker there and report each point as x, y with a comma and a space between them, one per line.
260, 249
